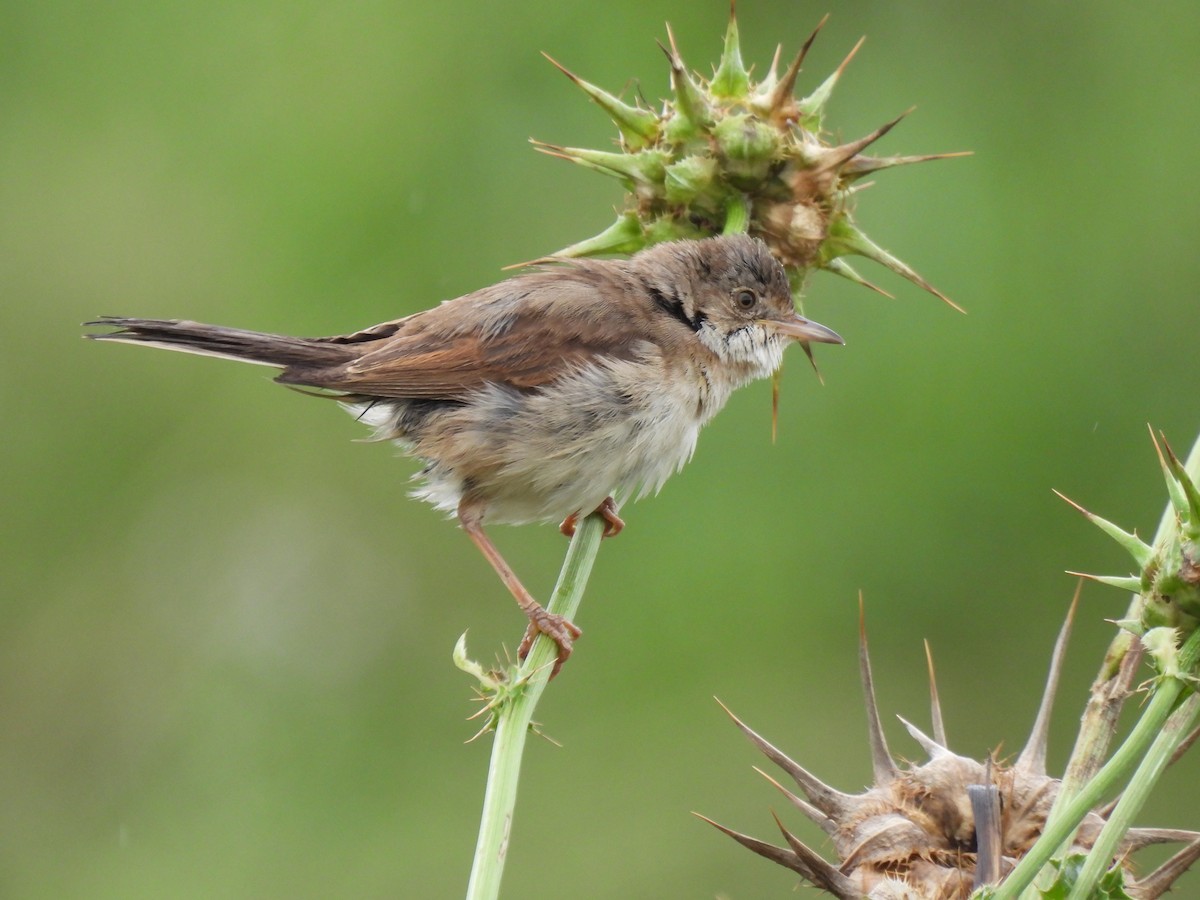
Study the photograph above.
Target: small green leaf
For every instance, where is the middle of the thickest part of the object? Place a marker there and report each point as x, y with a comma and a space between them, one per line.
639, 127
468, 665
1131, 583
839, 266
623, 236
1110, 887
646, 167
1142, 553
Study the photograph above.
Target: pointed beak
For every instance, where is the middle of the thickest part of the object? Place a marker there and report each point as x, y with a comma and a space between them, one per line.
800, 329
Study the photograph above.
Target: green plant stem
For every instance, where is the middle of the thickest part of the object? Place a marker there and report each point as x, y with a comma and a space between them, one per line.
515, 716
1155, 761
1098, 724
1136, 746
1099, 719
737, 215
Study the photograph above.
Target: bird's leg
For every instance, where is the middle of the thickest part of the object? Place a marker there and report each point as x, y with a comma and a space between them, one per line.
558, 628
612, 522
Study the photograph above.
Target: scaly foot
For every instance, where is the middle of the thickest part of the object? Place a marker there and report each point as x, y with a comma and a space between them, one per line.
558, 628
612, 522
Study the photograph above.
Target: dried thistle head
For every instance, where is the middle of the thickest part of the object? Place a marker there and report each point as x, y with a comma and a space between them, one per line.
941, 829
729, 146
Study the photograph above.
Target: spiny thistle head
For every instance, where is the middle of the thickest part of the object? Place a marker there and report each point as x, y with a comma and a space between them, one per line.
945, 828
1168, 572
732, 154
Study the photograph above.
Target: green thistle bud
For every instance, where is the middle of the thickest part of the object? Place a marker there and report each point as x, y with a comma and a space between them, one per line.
729, 143
690, 180
747, 147
1168, 573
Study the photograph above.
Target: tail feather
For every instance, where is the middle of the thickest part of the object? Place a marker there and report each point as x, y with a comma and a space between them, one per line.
226, 343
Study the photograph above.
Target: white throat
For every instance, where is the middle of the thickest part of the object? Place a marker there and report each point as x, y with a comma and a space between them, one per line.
749, 353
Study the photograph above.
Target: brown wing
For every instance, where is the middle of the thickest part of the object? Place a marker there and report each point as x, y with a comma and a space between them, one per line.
524, 332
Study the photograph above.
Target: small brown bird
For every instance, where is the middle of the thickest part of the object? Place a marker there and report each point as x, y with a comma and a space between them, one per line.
548, 396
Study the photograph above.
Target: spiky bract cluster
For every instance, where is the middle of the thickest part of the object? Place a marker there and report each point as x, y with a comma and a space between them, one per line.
1168, 572
732, 147
942, 829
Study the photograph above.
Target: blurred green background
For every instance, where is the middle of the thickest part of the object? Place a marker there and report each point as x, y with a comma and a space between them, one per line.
225, 648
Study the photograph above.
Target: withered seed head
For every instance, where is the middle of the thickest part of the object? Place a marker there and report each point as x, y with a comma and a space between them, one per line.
913, 833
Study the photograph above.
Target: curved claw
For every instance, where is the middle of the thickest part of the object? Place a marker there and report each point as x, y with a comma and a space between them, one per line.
613, 523
558, 628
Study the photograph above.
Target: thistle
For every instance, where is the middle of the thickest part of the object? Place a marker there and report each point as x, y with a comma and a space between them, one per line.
950, 826
732, 154
1168, 572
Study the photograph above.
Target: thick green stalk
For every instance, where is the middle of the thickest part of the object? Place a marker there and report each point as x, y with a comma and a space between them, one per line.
1137, 745
1155, 761
1086, 780
515, 715
1099, 718
737, 215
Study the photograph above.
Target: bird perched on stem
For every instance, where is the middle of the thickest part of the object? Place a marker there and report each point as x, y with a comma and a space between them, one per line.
550, 395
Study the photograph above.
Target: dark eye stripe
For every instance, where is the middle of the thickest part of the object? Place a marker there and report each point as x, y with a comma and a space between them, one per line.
672, 305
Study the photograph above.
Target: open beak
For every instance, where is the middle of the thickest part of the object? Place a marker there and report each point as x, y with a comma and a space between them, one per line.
800, 329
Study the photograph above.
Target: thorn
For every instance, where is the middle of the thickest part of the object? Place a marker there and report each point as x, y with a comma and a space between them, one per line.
1190, 490
1033, 756
804, 345
822, 874
839, 266
638, 126
939, 725
828, 825
1160, 880
859, 166
626, 235
933, 747
828, 878
731, 79
848, 239
1130, 583
849, 56
644, 167
783, 90
1140, 838
828, 800
836, 157
813, 105
881, 758
689, 98
1179, 501
1141, 552
772, 76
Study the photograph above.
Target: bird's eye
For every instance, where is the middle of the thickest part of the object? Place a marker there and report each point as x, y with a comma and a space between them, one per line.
745, 298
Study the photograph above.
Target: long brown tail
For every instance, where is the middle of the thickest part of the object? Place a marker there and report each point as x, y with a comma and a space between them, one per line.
228, 343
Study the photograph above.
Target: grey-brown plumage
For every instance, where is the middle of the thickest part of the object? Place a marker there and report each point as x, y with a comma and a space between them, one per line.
538, 398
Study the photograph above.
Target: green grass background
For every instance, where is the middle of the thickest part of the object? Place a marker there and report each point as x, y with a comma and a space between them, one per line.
225, 632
